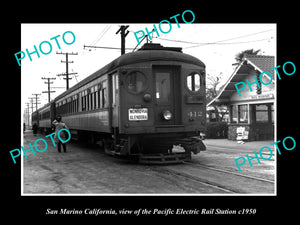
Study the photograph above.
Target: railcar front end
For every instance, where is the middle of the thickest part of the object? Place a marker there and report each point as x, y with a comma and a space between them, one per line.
158, 100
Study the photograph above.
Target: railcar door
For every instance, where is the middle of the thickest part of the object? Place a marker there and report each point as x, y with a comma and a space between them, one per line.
167, 95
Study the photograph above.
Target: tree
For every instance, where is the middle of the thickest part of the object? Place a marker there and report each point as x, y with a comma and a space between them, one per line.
239, 56
212, 91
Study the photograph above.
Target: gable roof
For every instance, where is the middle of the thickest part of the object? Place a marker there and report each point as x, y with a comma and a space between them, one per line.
260, 63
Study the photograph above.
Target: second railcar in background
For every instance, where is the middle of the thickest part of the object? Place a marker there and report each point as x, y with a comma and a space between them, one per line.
140, 104
44, 116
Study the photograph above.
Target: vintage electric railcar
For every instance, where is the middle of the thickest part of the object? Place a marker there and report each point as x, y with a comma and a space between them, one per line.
141, 104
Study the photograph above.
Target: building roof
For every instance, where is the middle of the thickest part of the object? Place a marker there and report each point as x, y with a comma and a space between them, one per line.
260, 63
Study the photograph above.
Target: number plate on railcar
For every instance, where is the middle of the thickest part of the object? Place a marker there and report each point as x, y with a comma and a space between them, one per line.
138, 114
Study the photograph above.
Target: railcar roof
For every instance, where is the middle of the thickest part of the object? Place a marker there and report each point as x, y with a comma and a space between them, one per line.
160, 54
44, 106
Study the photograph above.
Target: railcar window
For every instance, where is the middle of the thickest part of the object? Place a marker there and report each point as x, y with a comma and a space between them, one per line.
104, 94
76, 105
163, 87
136, 82
115, 88
92, 101
89, 101
193, 82
104, 98
99, 98
83, 101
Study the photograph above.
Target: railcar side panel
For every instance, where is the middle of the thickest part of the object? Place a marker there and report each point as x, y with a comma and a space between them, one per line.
90, 111
91, 121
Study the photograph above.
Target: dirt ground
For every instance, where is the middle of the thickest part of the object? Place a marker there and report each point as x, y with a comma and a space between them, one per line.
88, 170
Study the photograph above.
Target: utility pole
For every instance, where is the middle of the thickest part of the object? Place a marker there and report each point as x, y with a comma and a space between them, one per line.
123, 35
31, 101
48, 82
28, 115
67, 66
36, 100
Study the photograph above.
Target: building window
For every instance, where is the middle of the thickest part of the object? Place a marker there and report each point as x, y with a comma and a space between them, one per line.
264, 113
272, 113
243, 113
234, 114
261, 113
239, 114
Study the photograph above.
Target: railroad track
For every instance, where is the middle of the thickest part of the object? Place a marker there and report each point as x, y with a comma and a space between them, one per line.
229, 172
193, 178
265, 153
222, 181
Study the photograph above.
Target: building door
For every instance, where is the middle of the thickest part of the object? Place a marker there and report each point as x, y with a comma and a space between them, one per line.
167, 95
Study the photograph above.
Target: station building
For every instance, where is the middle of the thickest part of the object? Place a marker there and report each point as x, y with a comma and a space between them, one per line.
253, 111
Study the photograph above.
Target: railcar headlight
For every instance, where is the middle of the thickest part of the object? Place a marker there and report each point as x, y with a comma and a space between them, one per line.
167, 115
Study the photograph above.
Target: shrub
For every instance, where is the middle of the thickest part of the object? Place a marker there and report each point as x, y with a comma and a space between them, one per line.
216, 130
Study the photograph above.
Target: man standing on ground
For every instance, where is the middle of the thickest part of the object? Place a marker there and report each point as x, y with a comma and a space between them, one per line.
58, 126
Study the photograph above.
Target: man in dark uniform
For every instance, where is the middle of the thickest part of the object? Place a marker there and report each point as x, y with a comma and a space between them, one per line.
58, 126
34, 128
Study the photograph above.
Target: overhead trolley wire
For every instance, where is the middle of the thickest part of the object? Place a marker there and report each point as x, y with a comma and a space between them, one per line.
106, 28
197, 44
228, 43
217, 42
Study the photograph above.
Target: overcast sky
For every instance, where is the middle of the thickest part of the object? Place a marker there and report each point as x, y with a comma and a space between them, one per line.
214, 44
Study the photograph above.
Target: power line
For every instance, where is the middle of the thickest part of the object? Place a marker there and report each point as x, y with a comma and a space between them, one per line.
94, 42
227, 43
97, 39
210, 43
101, 34
90, 46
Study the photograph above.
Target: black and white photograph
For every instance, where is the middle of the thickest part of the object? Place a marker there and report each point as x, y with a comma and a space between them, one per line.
168, 109
175, 112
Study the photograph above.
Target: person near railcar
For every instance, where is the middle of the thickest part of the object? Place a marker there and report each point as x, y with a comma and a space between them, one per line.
59, 124
34, 129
